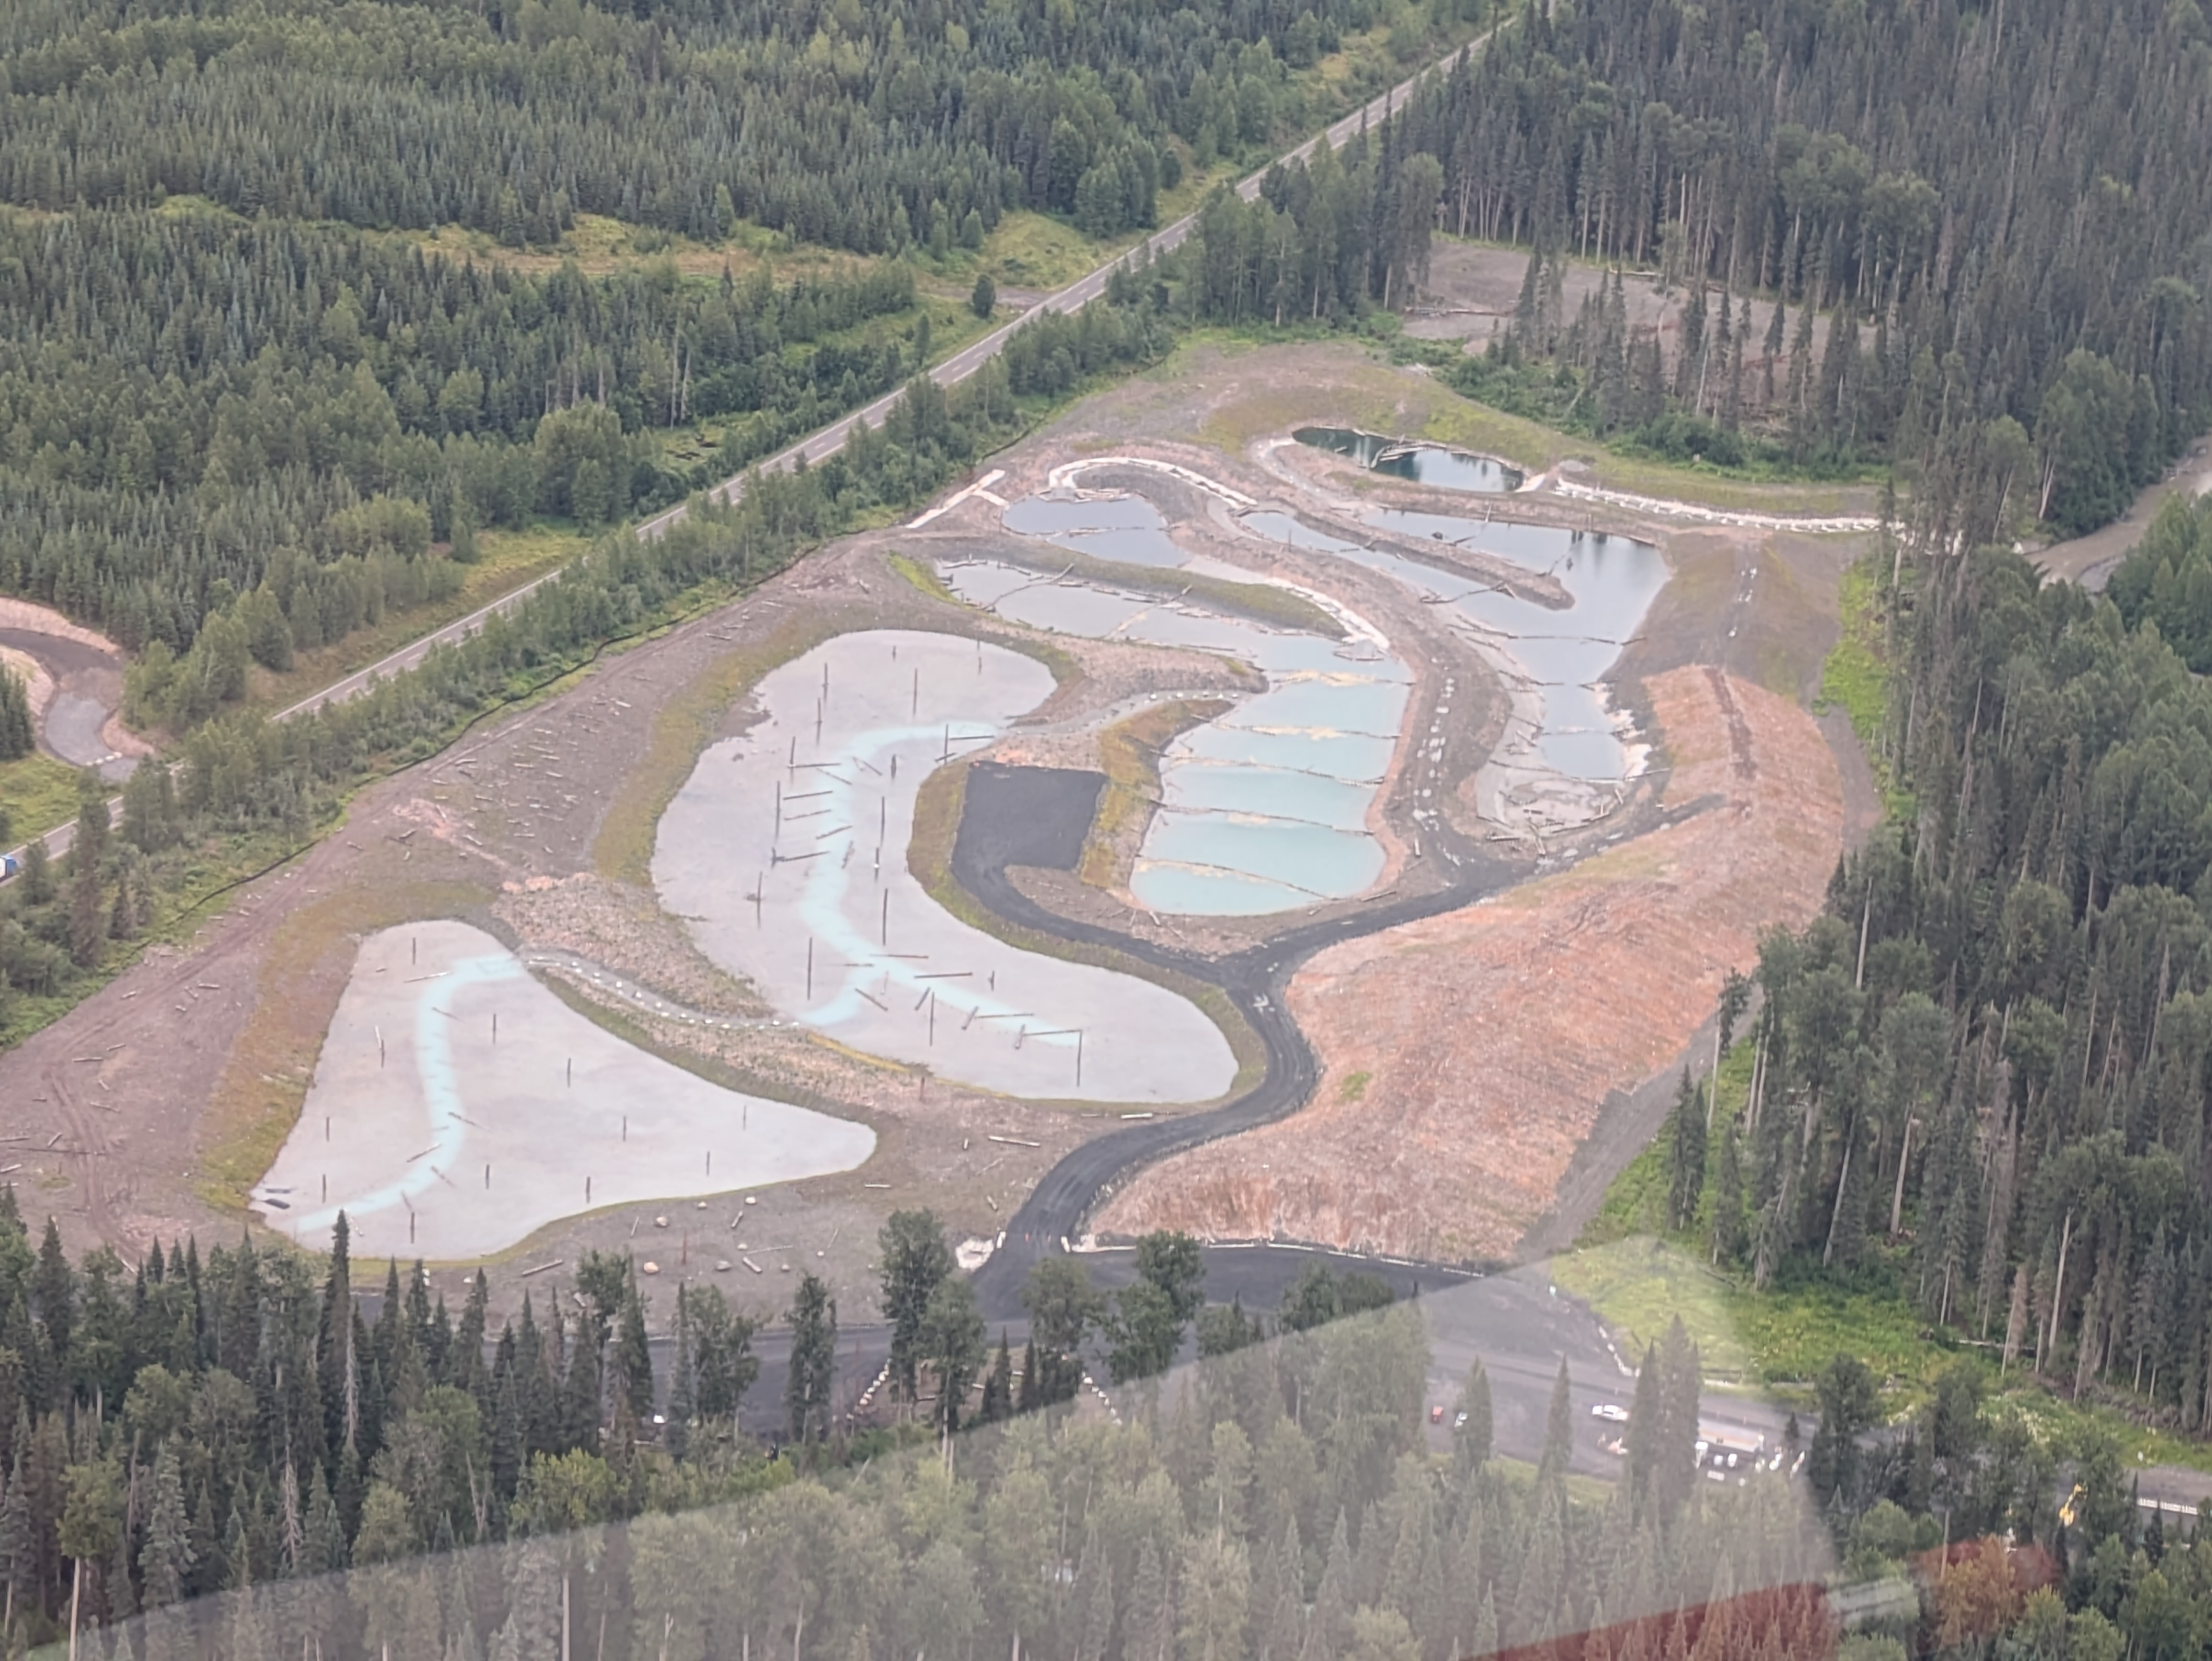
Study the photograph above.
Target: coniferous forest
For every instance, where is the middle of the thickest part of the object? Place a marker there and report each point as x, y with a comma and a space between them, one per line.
225, 373
1978, 238
235, 1424
248, 405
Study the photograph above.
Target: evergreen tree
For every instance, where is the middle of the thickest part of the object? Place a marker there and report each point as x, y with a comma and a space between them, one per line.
806, 1395
915, 1260
1685, 1154
17, 736
165, 1553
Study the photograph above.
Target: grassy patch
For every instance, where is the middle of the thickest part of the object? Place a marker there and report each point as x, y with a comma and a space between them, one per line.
1638, 1279
1030, 250
923, 577
1354, 1088
1638, 1286
1856, 677
256, 1101
598, 245
937, 811
1712, 487
510, 558
38, 793
1529, 445
1130, 752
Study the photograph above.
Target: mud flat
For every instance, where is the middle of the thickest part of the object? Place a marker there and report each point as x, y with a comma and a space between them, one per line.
786, 852
1265, 808
440, 1141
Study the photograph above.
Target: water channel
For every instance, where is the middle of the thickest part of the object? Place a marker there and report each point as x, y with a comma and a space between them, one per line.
1558, 658
1265, 808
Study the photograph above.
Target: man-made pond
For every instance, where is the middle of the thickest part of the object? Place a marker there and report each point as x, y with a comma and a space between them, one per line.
1126, 528
1425, 463
1264, 808
786, 852
1567, 749
458, 1105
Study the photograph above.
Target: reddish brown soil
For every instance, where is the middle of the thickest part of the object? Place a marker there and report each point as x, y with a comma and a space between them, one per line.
1466, 1057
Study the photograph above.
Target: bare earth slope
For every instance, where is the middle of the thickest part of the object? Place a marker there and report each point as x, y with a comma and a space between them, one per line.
1465, 1056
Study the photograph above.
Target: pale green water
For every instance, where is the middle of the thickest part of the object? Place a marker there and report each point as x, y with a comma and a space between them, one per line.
1265, 808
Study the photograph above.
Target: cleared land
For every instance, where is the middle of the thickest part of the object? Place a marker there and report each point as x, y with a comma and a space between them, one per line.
1466, 1057
156, 1106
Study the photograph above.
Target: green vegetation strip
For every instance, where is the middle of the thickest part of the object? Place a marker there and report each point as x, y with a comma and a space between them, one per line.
1130, 751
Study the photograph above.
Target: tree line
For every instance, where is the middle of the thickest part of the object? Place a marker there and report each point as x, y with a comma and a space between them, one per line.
17, 739
187, 404
241, 781
2005, 203
237, 1423
1981, 1081
1961, 241
869, 128
225, 1421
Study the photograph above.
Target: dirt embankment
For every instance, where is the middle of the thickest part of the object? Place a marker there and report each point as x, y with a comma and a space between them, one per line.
75, 679
1464, 1058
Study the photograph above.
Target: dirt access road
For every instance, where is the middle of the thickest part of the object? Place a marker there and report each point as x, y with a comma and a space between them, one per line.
76, 687
1466, 1058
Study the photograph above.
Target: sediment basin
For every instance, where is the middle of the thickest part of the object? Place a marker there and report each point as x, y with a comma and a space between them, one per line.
458, 1105
1566, 751
1425, 463
787, 853
1265, 808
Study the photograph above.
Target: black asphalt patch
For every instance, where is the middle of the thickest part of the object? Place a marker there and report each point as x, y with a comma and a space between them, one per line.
1036, 816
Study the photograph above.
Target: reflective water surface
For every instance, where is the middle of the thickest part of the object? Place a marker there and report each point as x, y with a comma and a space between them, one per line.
1264, 808
1425, 463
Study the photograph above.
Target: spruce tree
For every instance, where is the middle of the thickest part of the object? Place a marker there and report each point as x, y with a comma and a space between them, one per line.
165, 1554
807, 1396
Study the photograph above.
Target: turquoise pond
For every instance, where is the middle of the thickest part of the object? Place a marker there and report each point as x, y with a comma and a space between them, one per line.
1264, 809
1610, 580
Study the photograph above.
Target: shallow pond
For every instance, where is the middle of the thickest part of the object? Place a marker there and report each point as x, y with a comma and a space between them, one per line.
459, 1105
1562, 654
1425, 463
1124, 528
1265, 808
786, 852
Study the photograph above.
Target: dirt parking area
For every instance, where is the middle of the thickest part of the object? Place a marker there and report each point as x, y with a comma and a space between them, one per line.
1465, 1057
